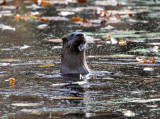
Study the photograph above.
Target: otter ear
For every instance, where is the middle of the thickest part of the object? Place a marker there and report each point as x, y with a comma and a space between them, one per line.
64, 39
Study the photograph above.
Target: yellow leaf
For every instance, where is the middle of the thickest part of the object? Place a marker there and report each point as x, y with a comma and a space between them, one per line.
71, 98
12, 80
122, 42
46, 65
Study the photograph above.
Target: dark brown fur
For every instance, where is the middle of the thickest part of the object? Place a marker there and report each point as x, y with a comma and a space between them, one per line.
73, 59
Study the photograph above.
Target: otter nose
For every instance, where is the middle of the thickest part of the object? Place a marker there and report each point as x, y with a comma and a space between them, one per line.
80, 35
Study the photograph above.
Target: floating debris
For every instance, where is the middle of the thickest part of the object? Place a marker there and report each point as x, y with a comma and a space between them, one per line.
26, 104
42, 26
6, 27
128, 113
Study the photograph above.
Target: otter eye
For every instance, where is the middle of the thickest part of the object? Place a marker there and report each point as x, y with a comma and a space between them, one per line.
72, 35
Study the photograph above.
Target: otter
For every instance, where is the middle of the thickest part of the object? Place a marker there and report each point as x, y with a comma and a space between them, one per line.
73, 59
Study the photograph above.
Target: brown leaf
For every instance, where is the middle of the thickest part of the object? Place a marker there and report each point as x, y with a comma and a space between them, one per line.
54, 40
46, 65
82, 1
4, 2
76, 19
152, 60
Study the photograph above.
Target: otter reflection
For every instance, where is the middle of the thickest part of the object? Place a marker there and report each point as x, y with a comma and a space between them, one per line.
73, 59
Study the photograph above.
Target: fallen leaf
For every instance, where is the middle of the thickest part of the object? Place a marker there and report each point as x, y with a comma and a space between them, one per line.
45, 19
34, 7
42, 26
118, 16
109, 27
24, 47
148, 69
54, 18
60, 84
46, 65
130, 14
152, 106
76, 19
57, 47
44, 3
108, 3
114, 41
12, 80
53, 40
82, 1
9, 7
6, 13
152, 60
146, 100
122, 42
3, 2
6, 27
155, 49
65, 13
86, 24
93, 77
26, 104
128, 113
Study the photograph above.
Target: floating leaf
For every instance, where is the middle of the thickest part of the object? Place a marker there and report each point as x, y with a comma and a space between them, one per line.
93, 77
122, 42
148, 69
108, 27
45, 19
44, 3
82, 1
65, 13
128, 113
10, 7
57, 47
76, 19
153, 106
60, 84
42, 26
155, 49
114, 41
3, 2
12, 80
53, 40
46, 65
26, 104
146, 101
54, 18
130, 14
34, 7
151, 60
24, 47
6, 27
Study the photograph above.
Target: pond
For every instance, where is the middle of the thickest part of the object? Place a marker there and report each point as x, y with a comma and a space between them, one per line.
124, 59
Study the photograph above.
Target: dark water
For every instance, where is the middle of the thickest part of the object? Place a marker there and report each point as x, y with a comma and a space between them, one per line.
118, 86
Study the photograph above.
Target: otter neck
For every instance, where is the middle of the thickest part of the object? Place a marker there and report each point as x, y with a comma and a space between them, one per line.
73, 62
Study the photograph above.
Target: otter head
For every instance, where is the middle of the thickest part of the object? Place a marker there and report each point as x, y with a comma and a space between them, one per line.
73, 59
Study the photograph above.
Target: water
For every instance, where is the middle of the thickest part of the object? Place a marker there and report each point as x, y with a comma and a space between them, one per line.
118, 87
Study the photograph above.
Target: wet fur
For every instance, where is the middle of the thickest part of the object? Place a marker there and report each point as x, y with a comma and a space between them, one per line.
73, 61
